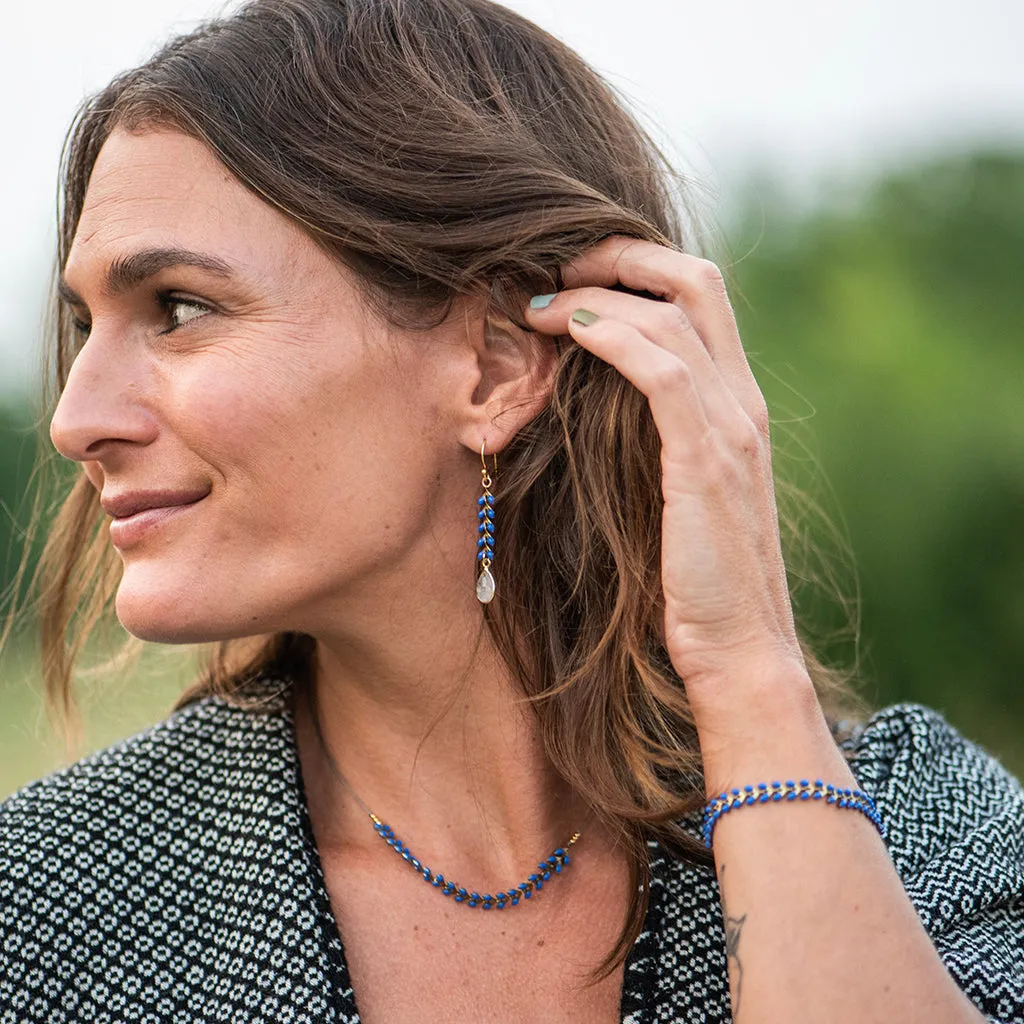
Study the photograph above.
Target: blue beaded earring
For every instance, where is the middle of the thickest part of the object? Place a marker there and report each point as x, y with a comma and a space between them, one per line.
485, 543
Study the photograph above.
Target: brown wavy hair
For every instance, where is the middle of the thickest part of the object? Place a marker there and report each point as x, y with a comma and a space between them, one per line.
440, 149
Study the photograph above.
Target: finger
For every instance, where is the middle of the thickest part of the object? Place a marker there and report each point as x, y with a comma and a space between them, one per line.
695, 285
661, 324
676, 405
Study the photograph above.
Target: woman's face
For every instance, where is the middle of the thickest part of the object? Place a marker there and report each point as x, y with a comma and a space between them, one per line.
265, 445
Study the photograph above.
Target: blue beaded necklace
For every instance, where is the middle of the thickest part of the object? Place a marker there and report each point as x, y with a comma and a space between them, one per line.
499, 900
512, 897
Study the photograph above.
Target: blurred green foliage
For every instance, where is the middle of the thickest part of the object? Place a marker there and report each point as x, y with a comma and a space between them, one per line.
890, 328
885, 329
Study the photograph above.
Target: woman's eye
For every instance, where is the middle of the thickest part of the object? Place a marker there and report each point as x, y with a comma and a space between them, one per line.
183, 311
80, 327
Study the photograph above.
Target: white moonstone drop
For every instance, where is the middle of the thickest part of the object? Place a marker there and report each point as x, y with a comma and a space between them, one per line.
485, 587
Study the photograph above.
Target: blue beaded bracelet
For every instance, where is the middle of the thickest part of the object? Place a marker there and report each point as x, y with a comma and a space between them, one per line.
762, 793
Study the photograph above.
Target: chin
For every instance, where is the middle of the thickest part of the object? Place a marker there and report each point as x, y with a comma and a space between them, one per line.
173, 611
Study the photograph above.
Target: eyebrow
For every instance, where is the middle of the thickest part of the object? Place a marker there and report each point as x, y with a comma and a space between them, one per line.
128, 271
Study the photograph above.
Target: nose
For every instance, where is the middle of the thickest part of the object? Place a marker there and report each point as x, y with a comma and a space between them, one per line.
103, 405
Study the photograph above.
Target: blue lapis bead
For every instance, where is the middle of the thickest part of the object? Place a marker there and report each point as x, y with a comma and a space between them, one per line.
474, 896
546, 875
735, 792
816, 795
750, 800
762, 785
459, 899
437, 881
804, 796
515, 900
559, 852
565, 858
764, 798
416, 864
776, 785
472, 903
748, 789
525, 889
463, 893
791, 796
481, 501
406, 856
391, 842
804, 782
790, 783
776, 796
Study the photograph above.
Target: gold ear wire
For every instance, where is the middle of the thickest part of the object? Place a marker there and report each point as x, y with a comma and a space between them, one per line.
487, 478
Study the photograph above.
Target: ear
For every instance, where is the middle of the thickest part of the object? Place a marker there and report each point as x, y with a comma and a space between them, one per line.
516, 370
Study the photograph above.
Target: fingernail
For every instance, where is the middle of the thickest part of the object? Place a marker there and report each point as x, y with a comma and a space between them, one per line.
542, 301
585, 317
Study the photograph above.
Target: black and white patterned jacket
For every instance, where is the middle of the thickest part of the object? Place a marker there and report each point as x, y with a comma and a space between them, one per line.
174, 877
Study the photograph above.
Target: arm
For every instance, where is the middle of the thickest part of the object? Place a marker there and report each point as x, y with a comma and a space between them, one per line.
819, 928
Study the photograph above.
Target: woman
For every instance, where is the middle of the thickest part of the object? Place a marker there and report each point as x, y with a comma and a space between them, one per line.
389, 376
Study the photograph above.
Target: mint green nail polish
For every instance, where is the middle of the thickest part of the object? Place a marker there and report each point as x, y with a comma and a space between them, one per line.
542, 301
585, 317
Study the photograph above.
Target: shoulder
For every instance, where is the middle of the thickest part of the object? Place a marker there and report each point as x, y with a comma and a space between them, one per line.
146, 799
179, 853
197, 755
954, 821
936, 789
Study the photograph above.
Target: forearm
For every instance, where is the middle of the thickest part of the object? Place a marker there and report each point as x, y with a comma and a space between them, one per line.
818, 925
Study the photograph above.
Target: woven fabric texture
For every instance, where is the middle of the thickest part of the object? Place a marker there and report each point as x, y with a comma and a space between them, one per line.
174, 877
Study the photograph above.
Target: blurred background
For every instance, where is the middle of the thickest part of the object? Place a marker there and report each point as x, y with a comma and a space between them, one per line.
860, 170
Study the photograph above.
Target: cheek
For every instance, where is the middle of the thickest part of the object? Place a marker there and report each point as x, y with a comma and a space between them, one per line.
294, 447
237, 411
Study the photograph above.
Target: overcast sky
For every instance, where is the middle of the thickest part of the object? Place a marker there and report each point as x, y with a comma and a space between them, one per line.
813, 88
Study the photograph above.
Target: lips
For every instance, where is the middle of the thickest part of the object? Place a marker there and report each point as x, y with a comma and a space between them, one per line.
136, 514
130, 503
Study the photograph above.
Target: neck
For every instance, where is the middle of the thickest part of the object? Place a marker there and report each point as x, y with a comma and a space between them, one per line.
437, 740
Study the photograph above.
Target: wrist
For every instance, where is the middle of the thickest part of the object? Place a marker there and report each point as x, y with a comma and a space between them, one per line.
772, 727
